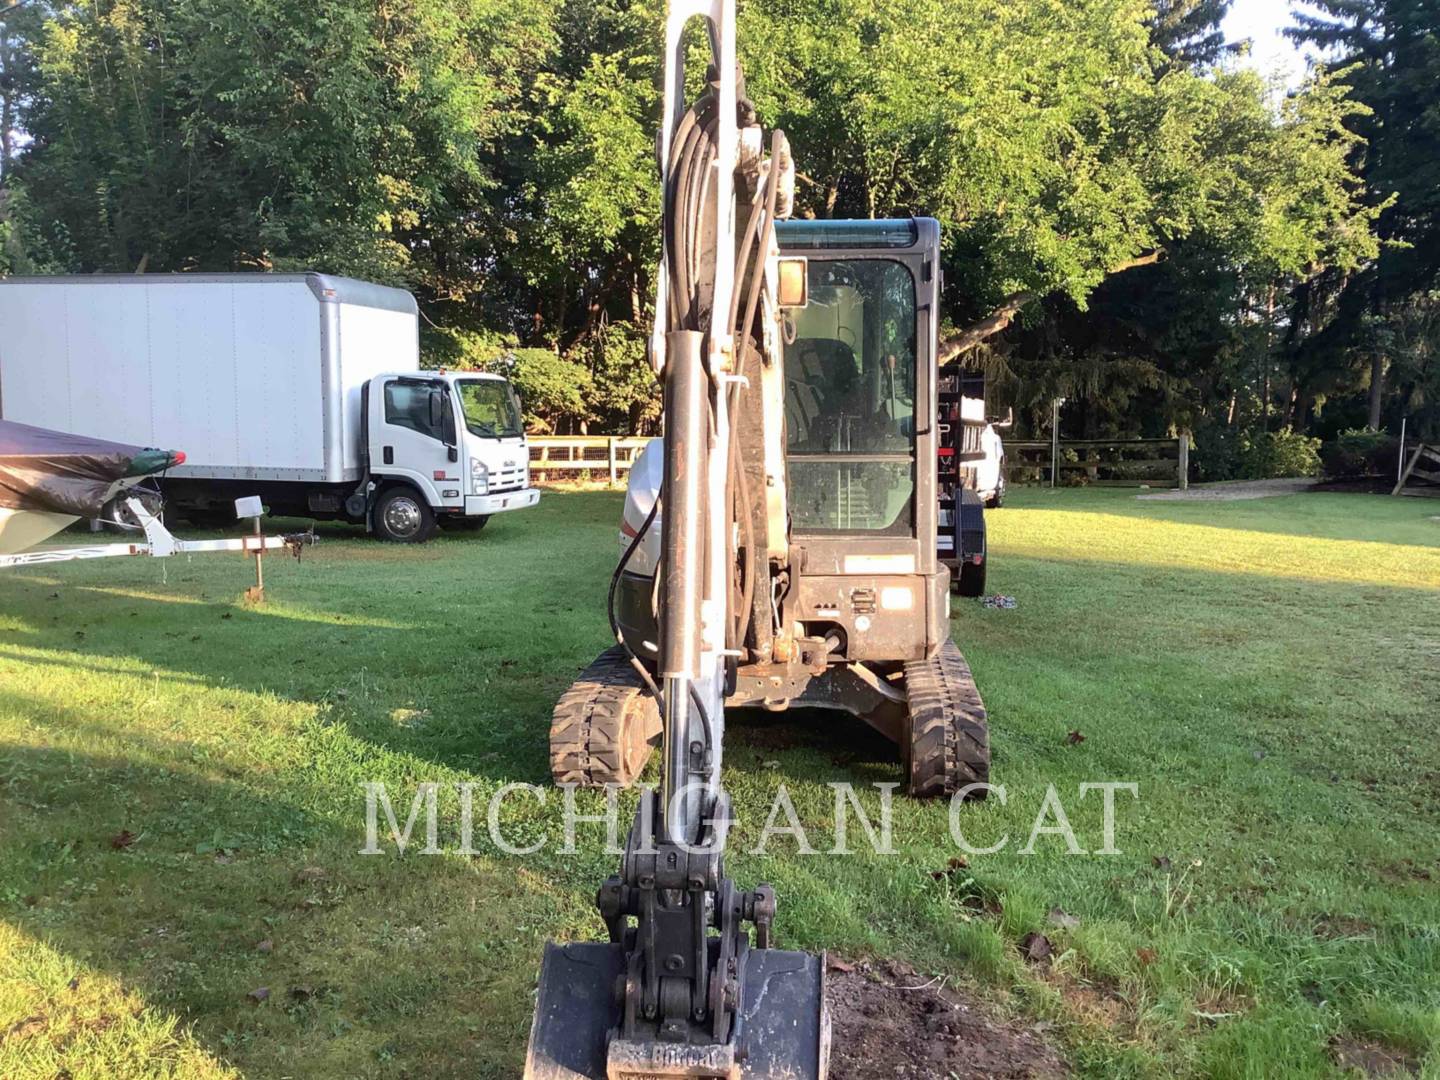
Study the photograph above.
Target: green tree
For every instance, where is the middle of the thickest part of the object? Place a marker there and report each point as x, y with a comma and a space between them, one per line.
1389, 52
552, 388
1055, 143
208, 134
499, 160
1188, 31
18, 22
1408, 337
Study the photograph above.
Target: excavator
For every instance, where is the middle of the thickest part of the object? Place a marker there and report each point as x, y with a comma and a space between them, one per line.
779, 551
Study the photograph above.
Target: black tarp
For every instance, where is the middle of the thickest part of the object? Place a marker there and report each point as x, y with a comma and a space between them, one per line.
68, 474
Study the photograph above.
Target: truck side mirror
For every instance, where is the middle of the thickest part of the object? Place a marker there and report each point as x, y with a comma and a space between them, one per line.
437, 410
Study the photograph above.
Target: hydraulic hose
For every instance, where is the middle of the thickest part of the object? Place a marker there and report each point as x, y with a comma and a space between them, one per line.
734, 472
767, 237
740, 333
693, 152
615, 629
630, 550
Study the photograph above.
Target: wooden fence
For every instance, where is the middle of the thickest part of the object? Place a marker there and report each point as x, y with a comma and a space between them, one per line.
583, 457
1416, 480
1112, 462
1132, 462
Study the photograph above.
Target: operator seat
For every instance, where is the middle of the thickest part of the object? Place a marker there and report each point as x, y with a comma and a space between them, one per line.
812, 388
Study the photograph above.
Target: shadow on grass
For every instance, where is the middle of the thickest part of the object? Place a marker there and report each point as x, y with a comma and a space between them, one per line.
475, 695
231, 908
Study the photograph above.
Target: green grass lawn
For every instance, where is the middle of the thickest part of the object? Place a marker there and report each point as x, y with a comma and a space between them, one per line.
181, 810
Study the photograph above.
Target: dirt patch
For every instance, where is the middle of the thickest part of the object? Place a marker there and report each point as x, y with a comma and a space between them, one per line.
23, 1029
1339, 927
889, 1021
1228, 490
1096, 1007
1371, 1058
1405, 870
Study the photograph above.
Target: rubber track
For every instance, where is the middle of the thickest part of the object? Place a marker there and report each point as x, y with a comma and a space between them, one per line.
949, 734
588, 729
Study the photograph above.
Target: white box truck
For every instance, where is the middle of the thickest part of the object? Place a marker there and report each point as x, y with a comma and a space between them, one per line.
302, 388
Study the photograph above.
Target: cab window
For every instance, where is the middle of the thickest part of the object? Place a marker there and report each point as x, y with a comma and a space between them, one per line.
407, 405
850, 384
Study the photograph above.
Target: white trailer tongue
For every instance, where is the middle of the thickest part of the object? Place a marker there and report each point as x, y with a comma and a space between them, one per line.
160, 543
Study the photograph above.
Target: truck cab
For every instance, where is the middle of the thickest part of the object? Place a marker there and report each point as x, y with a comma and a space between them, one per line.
443, 448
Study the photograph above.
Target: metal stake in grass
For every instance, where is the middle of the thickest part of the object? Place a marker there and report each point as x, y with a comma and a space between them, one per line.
251, 507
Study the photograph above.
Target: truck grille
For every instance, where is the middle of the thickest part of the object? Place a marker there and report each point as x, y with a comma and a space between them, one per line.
509, 476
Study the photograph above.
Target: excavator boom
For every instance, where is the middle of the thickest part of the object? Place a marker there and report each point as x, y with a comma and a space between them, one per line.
680, 990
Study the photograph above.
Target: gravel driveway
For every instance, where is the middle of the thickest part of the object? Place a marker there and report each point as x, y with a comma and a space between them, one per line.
1234, 489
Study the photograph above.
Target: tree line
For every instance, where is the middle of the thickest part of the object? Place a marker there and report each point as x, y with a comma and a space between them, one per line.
1133, 220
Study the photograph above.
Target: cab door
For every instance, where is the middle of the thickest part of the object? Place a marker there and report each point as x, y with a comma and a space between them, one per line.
413, 437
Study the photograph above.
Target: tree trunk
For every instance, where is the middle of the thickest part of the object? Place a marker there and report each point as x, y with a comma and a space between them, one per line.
1087, 431
1303, 409
1269, 346
7, 101
1377, 389
992, 324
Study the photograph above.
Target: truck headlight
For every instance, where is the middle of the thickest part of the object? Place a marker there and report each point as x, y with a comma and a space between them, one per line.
479, 476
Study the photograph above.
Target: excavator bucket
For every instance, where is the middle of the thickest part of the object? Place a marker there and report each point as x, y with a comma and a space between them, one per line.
782, 1031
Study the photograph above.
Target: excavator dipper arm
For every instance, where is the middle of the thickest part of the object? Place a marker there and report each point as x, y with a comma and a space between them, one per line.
679, 991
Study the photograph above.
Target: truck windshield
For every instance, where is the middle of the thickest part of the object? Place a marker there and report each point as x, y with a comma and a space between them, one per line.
490, 408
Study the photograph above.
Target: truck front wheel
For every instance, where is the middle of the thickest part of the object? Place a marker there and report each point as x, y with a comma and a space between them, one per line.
402, 516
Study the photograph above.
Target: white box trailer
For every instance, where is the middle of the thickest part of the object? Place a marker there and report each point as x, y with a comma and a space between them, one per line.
304, 388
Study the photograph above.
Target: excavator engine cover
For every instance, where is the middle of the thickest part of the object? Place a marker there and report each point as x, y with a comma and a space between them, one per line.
783, 1031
